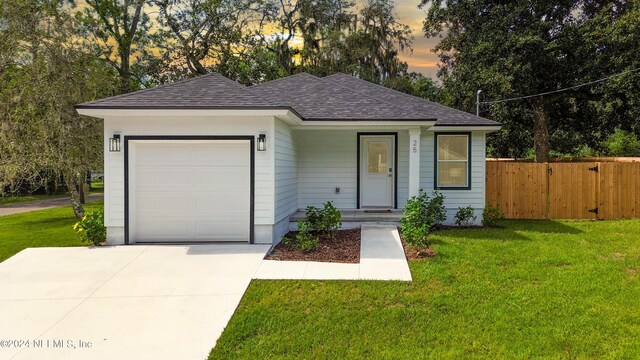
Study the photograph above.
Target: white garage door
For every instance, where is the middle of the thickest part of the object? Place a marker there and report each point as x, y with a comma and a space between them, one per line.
189, 191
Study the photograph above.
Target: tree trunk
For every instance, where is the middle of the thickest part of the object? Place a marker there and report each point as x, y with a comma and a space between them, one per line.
540, 132
125, 71
78, 210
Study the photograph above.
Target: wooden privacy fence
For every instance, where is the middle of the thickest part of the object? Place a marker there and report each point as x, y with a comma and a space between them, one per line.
564, 190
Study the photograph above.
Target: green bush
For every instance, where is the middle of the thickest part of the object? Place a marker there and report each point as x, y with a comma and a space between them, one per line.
306, 240
91, 228
436, 208
325, 221
420, 214
491, 215
622, 143
465, 216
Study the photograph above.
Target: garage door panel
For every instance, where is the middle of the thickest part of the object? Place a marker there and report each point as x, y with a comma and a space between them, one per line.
191, 192
172, 178
230, 178
162, 228
221, 230
151, 203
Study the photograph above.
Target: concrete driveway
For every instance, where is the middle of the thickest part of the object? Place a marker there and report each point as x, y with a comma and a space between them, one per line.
126, 302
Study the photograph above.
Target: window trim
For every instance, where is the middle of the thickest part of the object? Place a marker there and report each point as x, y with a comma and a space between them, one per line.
435, 161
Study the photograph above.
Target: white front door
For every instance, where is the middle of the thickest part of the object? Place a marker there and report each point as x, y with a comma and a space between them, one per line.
377, 171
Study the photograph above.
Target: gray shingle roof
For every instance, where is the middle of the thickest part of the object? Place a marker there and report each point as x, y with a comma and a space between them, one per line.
317, 99
206, 91
444, 114
335, 97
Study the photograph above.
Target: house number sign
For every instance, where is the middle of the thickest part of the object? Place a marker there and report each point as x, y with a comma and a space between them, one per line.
415, 146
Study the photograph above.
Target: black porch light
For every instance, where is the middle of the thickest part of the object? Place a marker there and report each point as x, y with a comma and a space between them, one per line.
262, 142
114, 143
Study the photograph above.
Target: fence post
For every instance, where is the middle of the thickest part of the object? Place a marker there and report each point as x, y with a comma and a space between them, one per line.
598, 189
548, 177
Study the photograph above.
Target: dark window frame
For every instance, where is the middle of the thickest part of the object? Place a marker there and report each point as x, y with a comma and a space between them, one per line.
435, 161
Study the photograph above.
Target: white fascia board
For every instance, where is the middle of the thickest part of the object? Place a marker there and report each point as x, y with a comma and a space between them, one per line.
350, 124
102, 113
467, 128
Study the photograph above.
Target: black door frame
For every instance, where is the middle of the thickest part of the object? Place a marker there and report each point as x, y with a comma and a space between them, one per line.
252, 150
395, 165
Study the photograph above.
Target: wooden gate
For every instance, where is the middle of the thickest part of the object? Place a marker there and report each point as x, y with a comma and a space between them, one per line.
573, 190
619, 190
563, 190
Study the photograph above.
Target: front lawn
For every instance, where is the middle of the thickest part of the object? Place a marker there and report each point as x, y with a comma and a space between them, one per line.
532, 289
43, 228
20, 199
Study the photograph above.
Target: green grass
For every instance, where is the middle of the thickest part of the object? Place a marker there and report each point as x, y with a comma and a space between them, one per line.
19, 199
534, 289
96, 187
44, 228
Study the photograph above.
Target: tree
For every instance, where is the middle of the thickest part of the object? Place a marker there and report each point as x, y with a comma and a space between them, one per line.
120, 31
41, 134
375, 45
210, 34
324, 36
516, 48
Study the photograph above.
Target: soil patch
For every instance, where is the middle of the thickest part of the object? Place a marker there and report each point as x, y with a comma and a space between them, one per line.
415, 252
344, 247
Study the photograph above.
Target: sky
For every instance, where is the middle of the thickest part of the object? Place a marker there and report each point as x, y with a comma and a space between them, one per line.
422, 60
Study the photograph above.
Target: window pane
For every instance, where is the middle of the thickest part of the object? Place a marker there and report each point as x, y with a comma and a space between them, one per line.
377, 157
452, 173
453, 147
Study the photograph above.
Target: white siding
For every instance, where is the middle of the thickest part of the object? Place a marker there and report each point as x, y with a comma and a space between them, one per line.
286, 173
192, 125
328, 159
456, 198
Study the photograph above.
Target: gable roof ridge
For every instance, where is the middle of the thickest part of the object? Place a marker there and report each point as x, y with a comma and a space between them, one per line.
281, 79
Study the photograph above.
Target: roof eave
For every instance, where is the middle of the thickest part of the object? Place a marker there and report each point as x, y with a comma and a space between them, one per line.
142, 111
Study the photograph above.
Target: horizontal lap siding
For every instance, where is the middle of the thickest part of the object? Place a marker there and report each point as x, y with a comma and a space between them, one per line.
328, 159
456, 198
174, 126
286, 173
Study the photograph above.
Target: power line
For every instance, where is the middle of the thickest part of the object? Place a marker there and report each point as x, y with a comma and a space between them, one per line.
559, 90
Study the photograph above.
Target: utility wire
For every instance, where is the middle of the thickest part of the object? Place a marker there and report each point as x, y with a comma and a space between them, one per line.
560, 90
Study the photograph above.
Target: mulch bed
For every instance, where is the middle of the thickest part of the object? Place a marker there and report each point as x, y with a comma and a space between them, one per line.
414, 252
343, 248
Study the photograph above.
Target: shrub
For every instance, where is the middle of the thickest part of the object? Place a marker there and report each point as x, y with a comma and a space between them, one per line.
306, 240
622, 143
91, 228
465, 216
420, 214
325, 221
436, 208
331, 219
491, 215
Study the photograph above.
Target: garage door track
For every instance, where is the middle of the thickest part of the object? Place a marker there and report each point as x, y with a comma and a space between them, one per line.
126, 302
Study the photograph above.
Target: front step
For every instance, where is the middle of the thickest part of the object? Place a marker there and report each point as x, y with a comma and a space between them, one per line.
352, 219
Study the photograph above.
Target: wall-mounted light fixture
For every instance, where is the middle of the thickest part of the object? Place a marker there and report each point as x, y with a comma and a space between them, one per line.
262, 142
114, 143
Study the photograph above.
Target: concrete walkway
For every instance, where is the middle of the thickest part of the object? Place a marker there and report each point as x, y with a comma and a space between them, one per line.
124, 302
27, 206
381, 258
